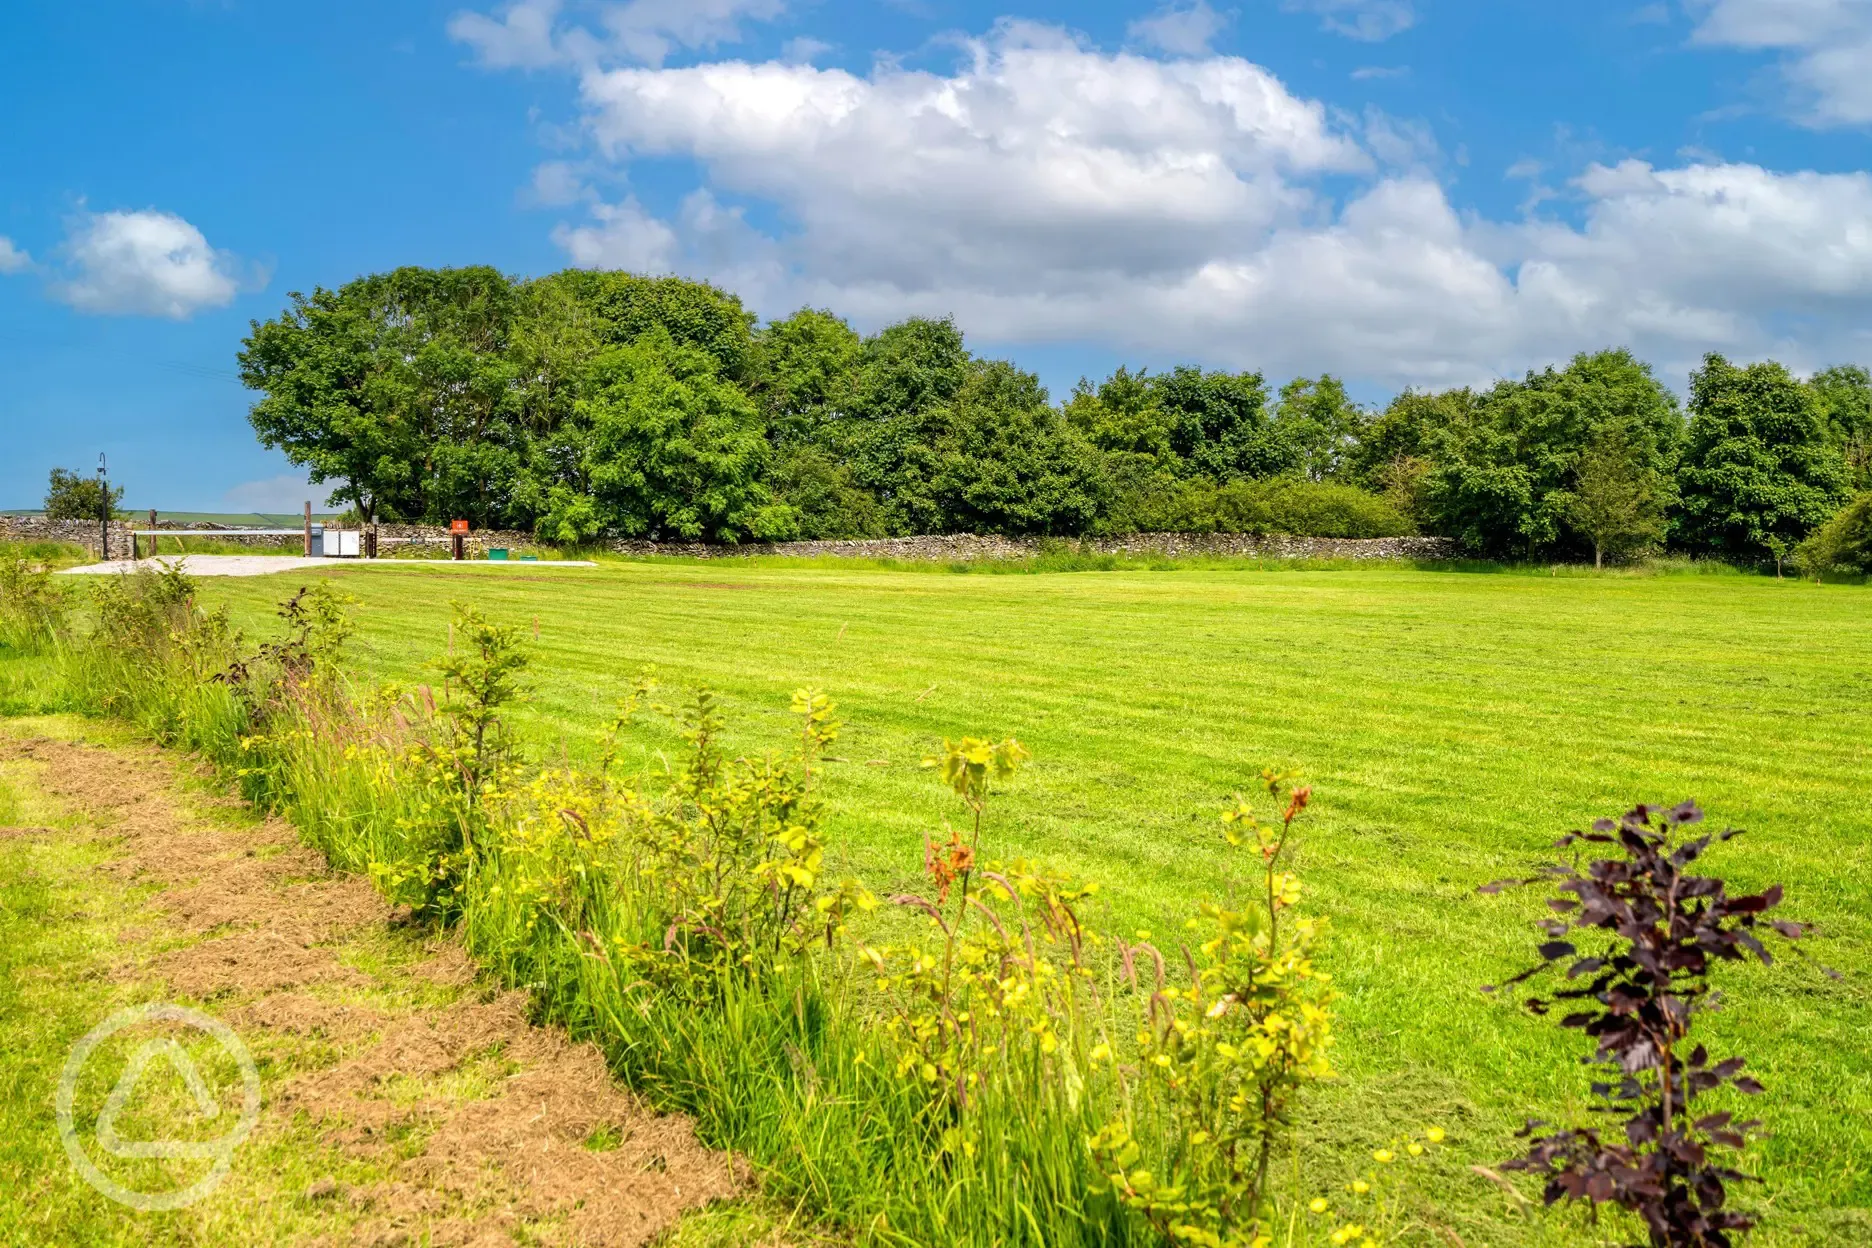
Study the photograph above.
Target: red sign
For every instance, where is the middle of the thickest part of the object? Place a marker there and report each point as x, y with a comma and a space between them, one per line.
458, 526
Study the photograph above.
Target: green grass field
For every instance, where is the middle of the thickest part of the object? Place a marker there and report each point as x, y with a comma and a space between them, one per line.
1452, 726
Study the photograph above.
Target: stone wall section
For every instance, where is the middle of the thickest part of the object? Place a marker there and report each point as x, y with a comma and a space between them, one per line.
78, 532
969, 547
944, 548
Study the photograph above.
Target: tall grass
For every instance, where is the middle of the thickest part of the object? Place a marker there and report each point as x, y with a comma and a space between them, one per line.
949, 1089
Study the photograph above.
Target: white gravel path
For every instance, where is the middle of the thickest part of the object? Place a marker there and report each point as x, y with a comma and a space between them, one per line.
264, 565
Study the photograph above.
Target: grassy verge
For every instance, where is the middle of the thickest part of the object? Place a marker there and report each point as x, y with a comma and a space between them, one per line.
69, 931
46, 554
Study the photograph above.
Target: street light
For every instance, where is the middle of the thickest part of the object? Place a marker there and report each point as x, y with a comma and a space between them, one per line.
104, 510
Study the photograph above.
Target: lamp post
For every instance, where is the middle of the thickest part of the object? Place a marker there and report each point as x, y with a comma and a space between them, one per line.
103, 511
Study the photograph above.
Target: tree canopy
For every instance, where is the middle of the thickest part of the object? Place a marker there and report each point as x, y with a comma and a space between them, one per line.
73, 496
1759, 470
588, 404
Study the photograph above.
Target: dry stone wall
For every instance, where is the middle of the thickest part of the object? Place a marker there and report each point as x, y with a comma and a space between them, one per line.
77, 532
969, 547
943, 548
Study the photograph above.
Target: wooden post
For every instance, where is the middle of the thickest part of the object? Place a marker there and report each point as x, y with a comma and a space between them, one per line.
308, 529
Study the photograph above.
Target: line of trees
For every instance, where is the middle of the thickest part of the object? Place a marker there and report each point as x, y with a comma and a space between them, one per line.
585, 404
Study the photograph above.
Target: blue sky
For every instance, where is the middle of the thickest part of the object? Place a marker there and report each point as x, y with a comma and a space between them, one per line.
1404, 192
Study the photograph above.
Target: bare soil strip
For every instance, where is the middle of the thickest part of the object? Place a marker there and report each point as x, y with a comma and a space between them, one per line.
497, 1132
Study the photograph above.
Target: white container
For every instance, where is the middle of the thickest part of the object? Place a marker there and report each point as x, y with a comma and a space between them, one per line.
336, 543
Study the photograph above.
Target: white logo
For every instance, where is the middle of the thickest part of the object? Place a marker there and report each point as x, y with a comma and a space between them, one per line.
160, 1049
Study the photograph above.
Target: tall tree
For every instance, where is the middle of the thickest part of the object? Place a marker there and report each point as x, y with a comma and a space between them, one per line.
803, 372
1122, 416
1617, 502
1845, 398
1008, 462
676, 451
907, 377
336, 398
1502, 464
1759, 471
625, 307
1219, 424
1321, 423
396, 389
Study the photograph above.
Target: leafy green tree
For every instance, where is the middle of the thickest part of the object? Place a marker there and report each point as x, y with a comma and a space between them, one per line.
823, 494
1758, 473
907, 377
552, 349
1618, 502
909, 368
1219, 424
1123, 417
71, 496
335, 398
803, 372
1393, 454
1010, 463
375, 387
1502, 464
1843, 543
1321, 423
676, 451
1845, 398
625, 307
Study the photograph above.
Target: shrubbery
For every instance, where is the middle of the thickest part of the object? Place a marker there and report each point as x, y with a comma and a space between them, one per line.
1842, 544
1261, 508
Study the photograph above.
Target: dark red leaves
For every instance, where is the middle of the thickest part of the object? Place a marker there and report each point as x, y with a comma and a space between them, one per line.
1658, 931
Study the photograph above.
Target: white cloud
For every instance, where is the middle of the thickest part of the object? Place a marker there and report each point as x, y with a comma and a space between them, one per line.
804, 49
1368, 73
1369, 20
1181, 30
556, 183
521, 38
1717, 242
526, 34
622, 236
145, 263
1399, 142
1038, 154
1046, 191
1827, 46
12, 259
288, 492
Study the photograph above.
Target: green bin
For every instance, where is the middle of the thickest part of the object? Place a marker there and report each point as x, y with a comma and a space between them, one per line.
498, 552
